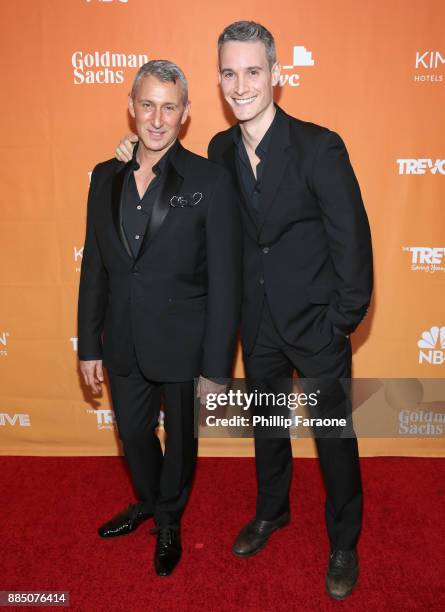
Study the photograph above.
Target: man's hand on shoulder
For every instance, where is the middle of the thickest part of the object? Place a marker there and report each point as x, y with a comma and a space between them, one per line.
124, 150
93, 374
206, 386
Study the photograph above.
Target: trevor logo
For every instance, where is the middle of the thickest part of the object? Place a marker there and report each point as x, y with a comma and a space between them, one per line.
421, 166
105, 418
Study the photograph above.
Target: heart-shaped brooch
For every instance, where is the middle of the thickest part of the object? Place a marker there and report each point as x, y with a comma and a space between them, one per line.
186, 200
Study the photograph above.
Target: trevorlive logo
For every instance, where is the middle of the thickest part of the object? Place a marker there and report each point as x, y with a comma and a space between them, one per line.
423, 165
22, 420
103, 67
432, 345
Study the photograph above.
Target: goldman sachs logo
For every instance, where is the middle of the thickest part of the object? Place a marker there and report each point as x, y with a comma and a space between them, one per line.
103, 67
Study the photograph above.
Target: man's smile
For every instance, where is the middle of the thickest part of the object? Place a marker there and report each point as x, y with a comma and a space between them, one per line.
244, 101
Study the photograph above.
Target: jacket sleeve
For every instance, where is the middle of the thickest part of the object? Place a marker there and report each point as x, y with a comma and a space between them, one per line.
224, 269
93, 288
212, 152
348, 232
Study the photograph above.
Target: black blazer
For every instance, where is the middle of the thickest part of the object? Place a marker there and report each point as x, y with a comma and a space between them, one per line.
310, 249
177, 304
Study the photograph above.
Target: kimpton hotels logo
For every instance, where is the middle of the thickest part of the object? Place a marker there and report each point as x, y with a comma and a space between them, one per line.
429, 67
77, 255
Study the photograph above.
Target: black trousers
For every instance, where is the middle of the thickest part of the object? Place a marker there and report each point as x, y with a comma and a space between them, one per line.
162, 482
270, 363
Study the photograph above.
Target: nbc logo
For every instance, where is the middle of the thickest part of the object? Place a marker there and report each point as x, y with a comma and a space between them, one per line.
432, 345
301, 57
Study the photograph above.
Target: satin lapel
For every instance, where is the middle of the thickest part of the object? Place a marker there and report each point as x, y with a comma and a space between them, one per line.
277, 161
230, 163
161, 207
117, 192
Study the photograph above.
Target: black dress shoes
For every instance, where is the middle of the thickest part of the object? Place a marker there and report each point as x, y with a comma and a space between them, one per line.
255, 534
342, 573
124, 522
168, 549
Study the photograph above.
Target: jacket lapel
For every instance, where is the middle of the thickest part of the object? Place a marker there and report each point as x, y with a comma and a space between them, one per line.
117, 194
229, 157
277, 161
161, 207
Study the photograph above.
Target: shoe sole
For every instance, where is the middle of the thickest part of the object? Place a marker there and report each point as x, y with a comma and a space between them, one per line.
261, 546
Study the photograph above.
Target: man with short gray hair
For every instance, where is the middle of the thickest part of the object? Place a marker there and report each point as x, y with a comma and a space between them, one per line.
159, 299
308, 283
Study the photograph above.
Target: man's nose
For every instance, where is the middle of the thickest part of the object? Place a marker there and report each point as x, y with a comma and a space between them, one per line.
241, 86
157, 118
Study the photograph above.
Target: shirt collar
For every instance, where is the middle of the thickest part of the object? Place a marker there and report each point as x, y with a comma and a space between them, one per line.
159, 167
263, 145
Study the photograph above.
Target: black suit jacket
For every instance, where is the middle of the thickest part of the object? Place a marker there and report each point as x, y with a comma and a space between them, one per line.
177, 304
310, 249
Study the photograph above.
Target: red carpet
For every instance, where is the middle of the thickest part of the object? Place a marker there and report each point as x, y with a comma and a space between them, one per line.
51, 508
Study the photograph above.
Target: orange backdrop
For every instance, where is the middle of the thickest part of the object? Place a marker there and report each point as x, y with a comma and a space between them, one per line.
372, 71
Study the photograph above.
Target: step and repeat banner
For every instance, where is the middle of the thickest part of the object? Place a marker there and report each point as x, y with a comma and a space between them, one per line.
374, 72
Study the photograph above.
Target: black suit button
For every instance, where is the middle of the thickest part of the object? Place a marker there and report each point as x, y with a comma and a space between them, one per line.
135, 270
266, 250
261, 281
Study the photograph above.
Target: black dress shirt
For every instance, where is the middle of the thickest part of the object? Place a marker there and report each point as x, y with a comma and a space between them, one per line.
250, 184
136, 211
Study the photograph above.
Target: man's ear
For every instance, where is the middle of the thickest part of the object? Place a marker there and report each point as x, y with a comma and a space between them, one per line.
131, 106
185, 112
276, 72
